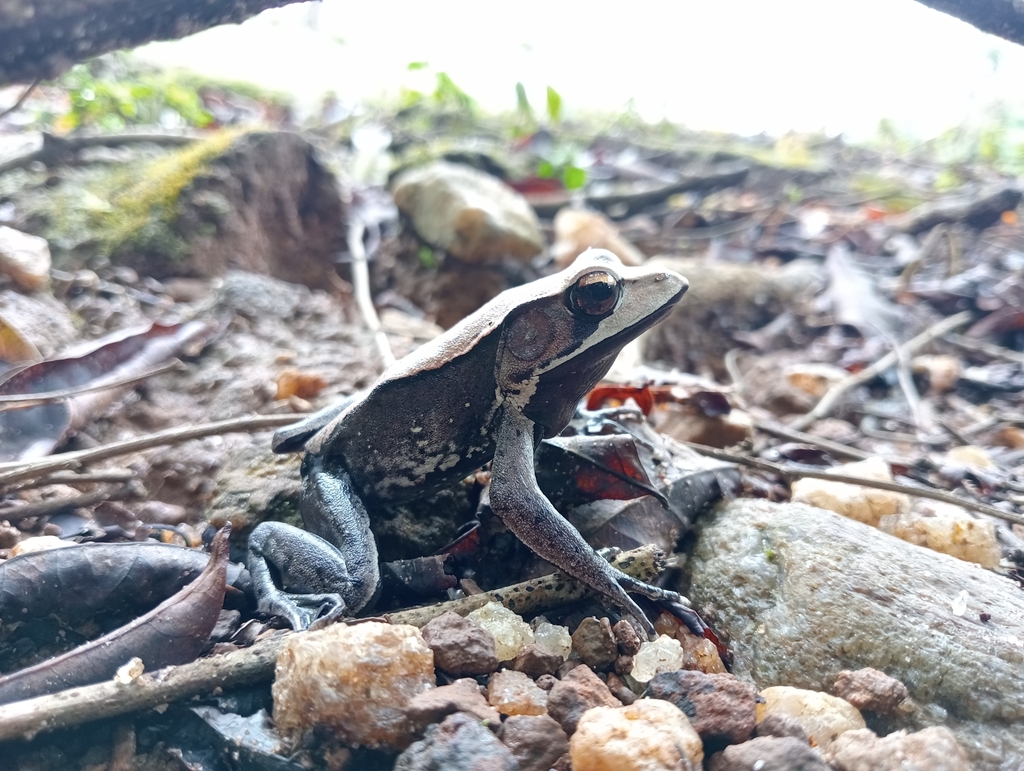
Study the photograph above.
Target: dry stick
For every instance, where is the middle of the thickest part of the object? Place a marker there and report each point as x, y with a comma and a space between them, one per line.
23, 401
785, 432
256, 663
17, 470
22, 98
896, 487
836, 392
988, 349
51, 507
71, 479
361, 288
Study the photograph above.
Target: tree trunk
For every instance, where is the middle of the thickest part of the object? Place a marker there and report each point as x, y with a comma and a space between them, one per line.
40, 39
1004, 18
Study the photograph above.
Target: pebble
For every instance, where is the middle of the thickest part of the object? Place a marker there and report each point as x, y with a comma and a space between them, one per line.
595, 643
579, 690
969, 455
931, 749
814, 379
943, 371
354, 681
39, 543
870, 689
460, 743
649, 735
461, 696
468, 213
665, 654
626, 638
536, 661
577, 230
514, 693
781, 726
863, 504
946, 528
822, 716
769, 753
461, 646
536, 741
721, 708
25, 258
619, 689
510, 632
554, 638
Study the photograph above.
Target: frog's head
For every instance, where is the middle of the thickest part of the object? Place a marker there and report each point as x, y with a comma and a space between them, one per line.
562, 335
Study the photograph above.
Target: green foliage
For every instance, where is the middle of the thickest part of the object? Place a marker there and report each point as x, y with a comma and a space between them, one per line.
427, 257
110, 102
447, 94
554, 105
561, 164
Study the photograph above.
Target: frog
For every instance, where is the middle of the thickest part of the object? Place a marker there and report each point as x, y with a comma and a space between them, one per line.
489, 389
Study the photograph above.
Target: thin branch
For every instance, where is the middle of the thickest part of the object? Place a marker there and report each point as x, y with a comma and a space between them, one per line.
21, 99
16, 470
71, 479
896, 487
23, 401
55, 506
835, 448
988, 349
256, 663
361, 288
836, 392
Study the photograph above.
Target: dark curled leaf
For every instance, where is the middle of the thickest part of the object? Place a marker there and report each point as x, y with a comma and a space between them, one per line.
34, 432
172, 633
120, 579
576, 469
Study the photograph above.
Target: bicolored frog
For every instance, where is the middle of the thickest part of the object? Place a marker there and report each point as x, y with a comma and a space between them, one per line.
490, 388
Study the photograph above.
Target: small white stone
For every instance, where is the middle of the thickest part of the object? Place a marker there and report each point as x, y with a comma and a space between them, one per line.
511, 633
656, 656
959, 604
863, 504
824, 717
25, 258
553, 638
39, 543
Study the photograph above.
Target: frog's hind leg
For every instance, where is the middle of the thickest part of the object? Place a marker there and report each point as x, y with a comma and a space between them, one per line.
328, 572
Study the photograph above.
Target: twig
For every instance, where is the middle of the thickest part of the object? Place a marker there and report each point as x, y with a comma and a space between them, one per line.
21, 99
835, 448
23, 401
17, 470
58, 149
361, 288
55, 506
256, 663
896, 487
836, 392
71, 479
988, 349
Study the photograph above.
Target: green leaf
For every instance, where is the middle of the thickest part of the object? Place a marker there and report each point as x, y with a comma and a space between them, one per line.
554, 105
575, 178
545, 170
413, 66
522, 103
427, 257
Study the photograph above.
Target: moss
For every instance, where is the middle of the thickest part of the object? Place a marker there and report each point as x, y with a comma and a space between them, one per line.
131, 208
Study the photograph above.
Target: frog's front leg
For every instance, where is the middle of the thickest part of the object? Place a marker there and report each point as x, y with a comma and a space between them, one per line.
516, 498
327, 572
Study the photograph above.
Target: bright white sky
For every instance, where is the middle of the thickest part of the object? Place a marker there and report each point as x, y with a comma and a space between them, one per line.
742, 66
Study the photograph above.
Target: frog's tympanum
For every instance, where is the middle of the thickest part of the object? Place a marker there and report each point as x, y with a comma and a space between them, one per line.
488, 389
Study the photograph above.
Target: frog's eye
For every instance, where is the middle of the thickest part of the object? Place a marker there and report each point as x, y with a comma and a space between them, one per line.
595, 294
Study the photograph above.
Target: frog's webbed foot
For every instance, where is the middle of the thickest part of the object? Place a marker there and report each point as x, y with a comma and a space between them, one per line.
302, 576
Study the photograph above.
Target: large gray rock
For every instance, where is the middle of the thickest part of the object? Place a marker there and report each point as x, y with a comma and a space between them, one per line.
804, 593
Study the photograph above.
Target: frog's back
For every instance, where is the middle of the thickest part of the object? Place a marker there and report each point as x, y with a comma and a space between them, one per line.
420, 432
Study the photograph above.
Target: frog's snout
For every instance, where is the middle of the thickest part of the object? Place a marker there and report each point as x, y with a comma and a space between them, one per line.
674, 280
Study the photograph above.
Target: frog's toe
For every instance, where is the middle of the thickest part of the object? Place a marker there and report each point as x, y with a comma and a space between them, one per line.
651, 592
301, 610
